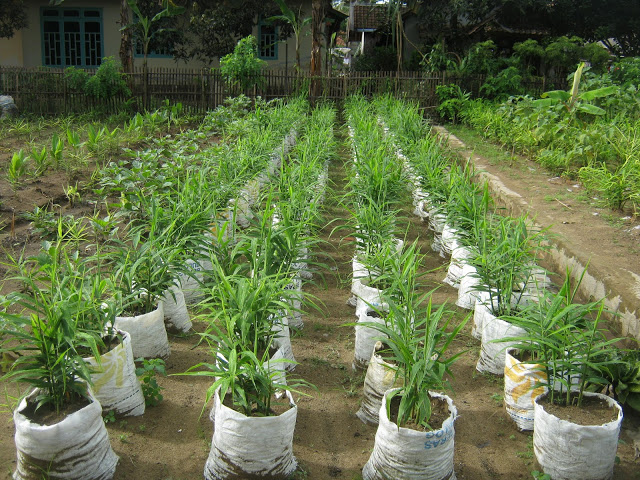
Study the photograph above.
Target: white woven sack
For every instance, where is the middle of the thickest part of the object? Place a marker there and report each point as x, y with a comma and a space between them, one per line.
421, 210
437, 220
459, 258
148, 334
115, 383
492, 353
520, 390
366, 297
467, 293
76, 448
251, 446
406, 454
481, 313
366, 338
380, 377
449, 239
175, 310
282, 341
191, 282
294, 315
567, 451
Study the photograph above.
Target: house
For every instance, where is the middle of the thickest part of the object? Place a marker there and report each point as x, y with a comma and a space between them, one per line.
370, 25
81, 32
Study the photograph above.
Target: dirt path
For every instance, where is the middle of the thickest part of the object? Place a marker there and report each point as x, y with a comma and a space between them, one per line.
585, 234
171, 441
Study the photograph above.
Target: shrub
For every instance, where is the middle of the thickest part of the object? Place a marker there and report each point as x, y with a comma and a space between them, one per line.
243, 67
107, 82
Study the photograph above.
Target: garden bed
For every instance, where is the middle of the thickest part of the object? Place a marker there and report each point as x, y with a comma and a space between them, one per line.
172, 439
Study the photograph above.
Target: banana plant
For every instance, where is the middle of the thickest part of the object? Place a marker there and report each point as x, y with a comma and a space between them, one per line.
575, 101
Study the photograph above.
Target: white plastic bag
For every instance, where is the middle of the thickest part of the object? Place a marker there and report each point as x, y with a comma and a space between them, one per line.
251, 446
175, 310
481, 313
191, 282
520, 390
148, 334
380, 377
366, 337
467, 293
406, 454
449, 240
115, 383
492, 356
366, 297
76, 448
282, 341
294, 315
459, 259
567, 451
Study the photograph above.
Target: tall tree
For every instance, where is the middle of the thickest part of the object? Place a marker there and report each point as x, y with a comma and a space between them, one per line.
126, 42
214, 27
13, 17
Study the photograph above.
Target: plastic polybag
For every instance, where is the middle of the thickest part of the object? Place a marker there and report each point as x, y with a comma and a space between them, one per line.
76, 448
148, 333
568, 451
407, 454
115, 383
251, 446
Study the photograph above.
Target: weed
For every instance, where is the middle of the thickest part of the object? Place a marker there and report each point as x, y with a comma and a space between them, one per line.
528, 454
496, 397
109, 417
540, 475
150, 388
124, 438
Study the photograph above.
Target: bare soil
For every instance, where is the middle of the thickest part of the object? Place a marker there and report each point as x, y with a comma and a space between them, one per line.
172, 440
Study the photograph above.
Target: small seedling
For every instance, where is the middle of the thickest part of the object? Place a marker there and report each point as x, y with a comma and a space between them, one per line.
496, 397
124, 438
540, 475
150, 388
17, 168
109, 417
72, 193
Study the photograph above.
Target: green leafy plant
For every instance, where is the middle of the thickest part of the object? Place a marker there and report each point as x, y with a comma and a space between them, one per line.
57, 147
49, 334
574, 100
297, 23
567, 341
417, 339
243, 67
18, 168
107, 81
150, 387
41, 159
507, 252
451, 99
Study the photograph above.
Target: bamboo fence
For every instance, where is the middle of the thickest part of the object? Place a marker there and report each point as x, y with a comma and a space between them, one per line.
47, 91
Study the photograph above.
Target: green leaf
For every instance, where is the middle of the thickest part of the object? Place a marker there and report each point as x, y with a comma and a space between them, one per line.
590, 109
599, 93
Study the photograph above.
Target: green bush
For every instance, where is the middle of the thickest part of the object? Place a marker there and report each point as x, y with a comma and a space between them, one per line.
451, 99
243, 67
107, 81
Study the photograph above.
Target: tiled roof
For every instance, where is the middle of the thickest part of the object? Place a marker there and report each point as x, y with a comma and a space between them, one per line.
369, 17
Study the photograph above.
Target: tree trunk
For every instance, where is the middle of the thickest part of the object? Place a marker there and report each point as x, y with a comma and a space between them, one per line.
317, 17
126, 45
